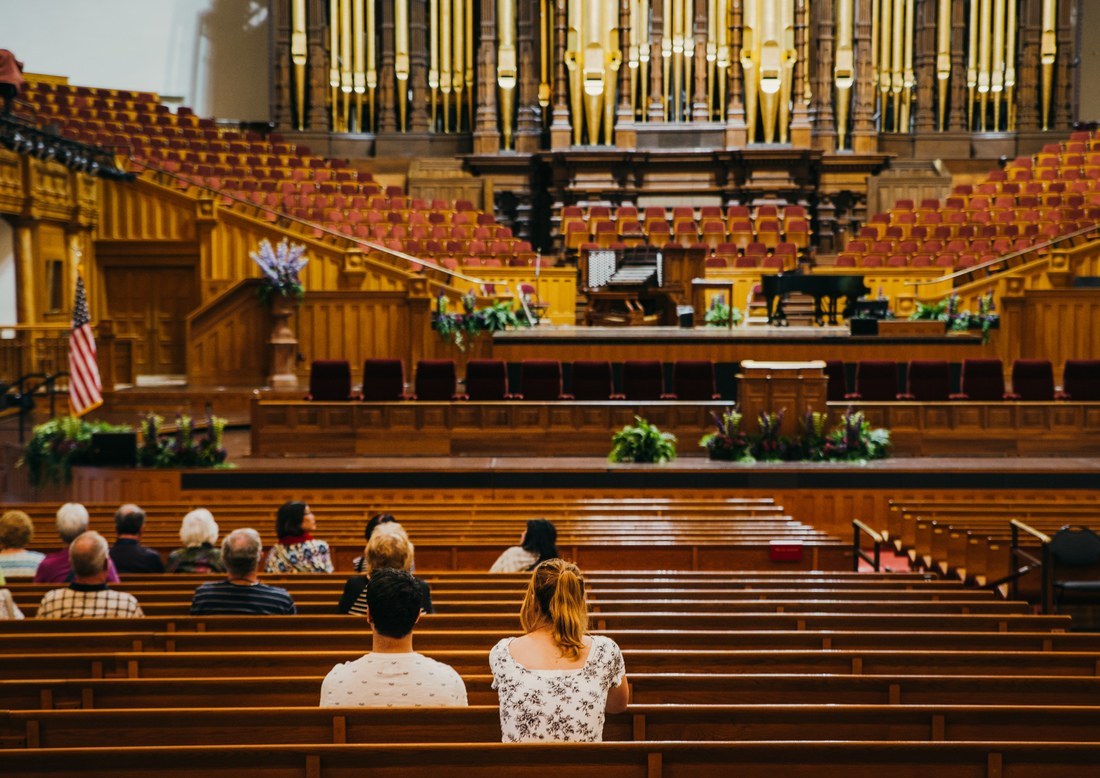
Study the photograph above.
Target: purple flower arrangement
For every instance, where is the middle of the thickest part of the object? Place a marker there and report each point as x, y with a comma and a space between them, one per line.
852, 439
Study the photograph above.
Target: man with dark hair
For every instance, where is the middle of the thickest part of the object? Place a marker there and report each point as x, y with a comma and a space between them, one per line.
127, 553
392, 675
88, 597
242, 591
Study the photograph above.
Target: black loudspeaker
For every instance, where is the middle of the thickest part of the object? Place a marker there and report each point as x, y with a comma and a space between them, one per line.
113, 449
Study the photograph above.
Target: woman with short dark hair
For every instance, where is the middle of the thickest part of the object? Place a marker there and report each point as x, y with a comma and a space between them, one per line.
538, 543
297, 551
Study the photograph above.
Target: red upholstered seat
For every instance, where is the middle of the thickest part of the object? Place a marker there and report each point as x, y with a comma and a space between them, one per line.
592, 380
487, 380
643, 380
694, 380
383, 380
876, 381
435, 379
837, 387
982, 380
329, 380
541, 380
929, 380
1081, 380
1033, 379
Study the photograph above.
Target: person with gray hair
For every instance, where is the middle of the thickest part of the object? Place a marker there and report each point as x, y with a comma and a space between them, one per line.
88, 597
241, 592
198, 533
127, 553
72, 521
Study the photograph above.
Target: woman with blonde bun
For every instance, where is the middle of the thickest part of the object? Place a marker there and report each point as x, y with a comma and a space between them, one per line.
556, 682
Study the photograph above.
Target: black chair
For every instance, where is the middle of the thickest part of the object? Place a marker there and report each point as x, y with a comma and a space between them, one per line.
1071, 552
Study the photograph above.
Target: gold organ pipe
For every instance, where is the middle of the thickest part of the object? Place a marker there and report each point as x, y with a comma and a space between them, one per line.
401, 58
997, 77
358, 74
573, 54
750, 63
712, 53
807, 81
433, 56
372, 65
876, 11
689, 56
633, 55
723, 55
985, 58
972, 64
643, 57
886, 30
1048, 52
470, 96
1010, 66
908, 77
458, 51
334, 61
666, 53
943, 58
613, 58
345, 60
298, 49
445, 60
545, 25
506, 66
677, 55
771, 65
593, 66
789, 56
844, 68
897, 51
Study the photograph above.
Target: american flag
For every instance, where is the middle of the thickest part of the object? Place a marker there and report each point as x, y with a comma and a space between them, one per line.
85, 388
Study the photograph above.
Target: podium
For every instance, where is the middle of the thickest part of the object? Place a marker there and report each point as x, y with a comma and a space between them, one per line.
795, 388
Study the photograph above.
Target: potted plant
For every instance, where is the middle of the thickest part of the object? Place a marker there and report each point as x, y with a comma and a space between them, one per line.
728, 442
58, 444
642, 442
280, 267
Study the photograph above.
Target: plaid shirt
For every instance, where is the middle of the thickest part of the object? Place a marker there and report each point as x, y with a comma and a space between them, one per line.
88, 601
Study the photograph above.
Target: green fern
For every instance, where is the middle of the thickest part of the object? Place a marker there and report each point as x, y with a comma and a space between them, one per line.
642, 442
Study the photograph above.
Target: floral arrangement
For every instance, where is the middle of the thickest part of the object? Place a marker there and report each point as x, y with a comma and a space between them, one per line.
721, 315
642, 442
280, 267
183, 448
58, 444
947, 311
852, 439
462, 328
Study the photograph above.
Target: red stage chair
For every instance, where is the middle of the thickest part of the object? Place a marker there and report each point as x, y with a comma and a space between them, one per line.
383, 380
1081, 380
876, 381
694, 380
487, 380
592, 381
837, 387
929, 380
982, 380
329, 380
435, 380
644, 380
1033, 379
541, 380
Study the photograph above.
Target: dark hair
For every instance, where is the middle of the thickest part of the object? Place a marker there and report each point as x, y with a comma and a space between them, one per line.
289, 518
393, 597
375, 520
541, 539
129, 520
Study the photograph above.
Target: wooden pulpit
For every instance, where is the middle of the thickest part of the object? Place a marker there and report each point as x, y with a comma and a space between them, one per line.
792, 387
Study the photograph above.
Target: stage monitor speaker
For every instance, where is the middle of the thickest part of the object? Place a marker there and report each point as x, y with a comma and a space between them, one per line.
113, 449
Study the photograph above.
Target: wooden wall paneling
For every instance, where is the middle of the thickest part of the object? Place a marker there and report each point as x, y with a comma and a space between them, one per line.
1054, 324
12, 195
141, 210
353, 326
119, 485
227, 338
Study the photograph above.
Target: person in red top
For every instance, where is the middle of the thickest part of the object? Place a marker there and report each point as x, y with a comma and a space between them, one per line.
72, 521
11, 78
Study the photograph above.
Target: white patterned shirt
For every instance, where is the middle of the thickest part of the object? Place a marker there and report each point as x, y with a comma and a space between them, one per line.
560, 705
516, 559
393, 681
88, 601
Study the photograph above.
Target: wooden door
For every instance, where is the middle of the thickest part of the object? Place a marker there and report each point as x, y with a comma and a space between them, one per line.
151, 306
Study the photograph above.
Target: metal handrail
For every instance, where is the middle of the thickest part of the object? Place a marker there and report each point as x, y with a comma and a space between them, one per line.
48, 382
1006, 257
1043, 561
858, 553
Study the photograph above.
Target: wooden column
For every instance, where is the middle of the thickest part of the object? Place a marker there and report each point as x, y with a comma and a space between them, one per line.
282, 73
528, 123
1066, 65
956, 120
317, 114
626, 137
823, 14
800, 119
419, 121
561, 131
864, 136
924, 65
737, 134
387, 97
486, 123
699, 109
1027, 71
655, 110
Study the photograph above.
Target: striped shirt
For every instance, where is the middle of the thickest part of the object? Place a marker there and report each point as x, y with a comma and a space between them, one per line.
22, 564
223, 597
88, 601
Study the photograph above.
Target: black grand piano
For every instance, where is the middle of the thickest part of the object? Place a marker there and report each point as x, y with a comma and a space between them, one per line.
823, 288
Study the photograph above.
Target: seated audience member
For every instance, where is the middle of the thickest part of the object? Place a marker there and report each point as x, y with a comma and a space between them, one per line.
242, 591
297, 551
392, 674
387, 549
88, 597
360, 562
72, 520
16, 533
556, 682
127, 553
198, 533
9, 611
538, 543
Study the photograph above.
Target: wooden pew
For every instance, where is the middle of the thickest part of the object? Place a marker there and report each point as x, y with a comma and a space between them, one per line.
587, 760
481, 724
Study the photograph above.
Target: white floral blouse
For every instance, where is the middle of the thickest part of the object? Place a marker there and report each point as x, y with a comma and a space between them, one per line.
516, 559
311, 556
560, 705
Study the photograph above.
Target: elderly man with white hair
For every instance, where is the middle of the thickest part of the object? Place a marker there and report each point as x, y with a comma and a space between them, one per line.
88, 597
242, 592
198, 533
72, 521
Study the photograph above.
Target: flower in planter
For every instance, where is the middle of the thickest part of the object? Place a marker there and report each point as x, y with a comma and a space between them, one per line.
280, 267
729, 442
769, 445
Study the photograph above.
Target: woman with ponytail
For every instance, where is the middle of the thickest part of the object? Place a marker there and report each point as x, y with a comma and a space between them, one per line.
556, 682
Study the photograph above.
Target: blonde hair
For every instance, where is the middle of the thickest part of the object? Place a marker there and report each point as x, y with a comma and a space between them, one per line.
16, 530
555, 598
388, 549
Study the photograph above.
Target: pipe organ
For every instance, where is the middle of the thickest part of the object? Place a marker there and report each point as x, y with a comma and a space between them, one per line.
754, 64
